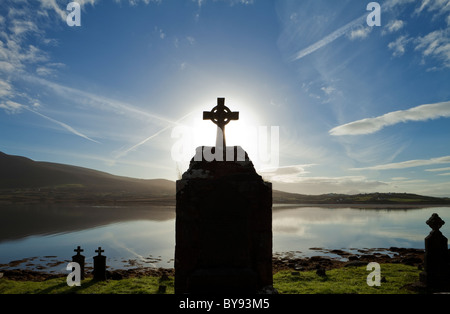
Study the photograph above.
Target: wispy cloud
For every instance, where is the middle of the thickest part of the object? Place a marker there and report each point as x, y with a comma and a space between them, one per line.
61, 9
438, 169
356, 29
134, 147
200, 3
399, 46
360, 33
436, 45
13, 107
393, 26
439, 6
328, 90
5, 88
372, 125
287, 174
409, 164
329, 39
64, 125
322, 185
98, 101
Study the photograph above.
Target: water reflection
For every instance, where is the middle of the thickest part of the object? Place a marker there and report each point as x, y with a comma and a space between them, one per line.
145, 235
335, 228
44, 236
19, 221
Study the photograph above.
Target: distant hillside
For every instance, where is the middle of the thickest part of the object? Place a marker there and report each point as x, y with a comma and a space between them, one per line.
366, 198
23, 178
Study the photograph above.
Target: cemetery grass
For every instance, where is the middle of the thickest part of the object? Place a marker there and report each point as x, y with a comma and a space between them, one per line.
141, 285
397, 279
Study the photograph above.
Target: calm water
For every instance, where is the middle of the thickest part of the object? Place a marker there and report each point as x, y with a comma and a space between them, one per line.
44, 237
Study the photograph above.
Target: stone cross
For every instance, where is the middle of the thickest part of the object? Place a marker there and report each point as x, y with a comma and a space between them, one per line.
221, 115
435, 222
99, 251
80, 260
436, 272
78, 250
99, 265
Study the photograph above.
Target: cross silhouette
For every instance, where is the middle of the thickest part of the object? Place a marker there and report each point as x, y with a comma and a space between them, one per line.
78, 250
221, 115
99, 251
435, 222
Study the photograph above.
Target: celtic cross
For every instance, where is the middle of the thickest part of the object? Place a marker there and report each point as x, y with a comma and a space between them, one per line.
221, 115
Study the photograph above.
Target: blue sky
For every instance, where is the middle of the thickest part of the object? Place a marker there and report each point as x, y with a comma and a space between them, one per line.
358, 108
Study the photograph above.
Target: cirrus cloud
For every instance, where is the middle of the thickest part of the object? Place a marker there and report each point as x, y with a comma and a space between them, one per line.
372, 125
409, 164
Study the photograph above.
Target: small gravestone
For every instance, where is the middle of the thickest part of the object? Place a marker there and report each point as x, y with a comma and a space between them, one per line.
162, 289
99, 265
80, 260
436, 272
223, 220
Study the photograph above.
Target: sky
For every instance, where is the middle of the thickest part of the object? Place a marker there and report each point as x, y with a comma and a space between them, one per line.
327, 103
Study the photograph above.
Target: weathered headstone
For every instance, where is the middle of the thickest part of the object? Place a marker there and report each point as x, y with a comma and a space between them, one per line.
223, 224
436, 272
99, 265
80, 259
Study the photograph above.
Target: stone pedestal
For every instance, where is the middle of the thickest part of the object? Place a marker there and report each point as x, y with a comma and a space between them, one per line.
223, 228
99, 266
436, 272
80, 259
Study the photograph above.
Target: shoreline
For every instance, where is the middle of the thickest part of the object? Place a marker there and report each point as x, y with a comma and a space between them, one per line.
279, 206
275, 206
280, 262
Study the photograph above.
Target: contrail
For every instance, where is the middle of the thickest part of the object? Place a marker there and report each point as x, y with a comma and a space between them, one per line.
329, 39
67, 127
96, 101
151, 137
387, 6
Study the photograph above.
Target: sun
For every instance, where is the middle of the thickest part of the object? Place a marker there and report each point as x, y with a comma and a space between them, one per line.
239, 132
197, 132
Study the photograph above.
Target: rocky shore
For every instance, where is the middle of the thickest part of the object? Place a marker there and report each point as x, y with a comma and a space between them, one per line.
343, 258
329, 259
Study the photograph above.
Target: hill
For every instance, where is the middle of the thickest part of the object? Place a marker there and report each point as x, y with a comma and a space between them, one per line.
26, 180
23, 179
366, 198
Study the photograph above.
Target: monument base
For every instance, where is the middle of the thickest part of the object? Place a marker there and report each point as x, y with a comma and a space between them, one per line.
223, 229
223, 280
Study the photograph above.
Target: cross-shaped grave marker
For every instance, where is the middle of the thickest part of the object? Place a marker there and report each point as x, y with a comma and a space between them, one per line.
80, 259
99, 251
99, 265
78, 250
221, 115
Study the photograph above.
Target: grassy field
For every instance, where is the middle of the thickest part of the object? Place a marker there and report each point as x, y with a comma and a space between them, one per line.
346, 280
